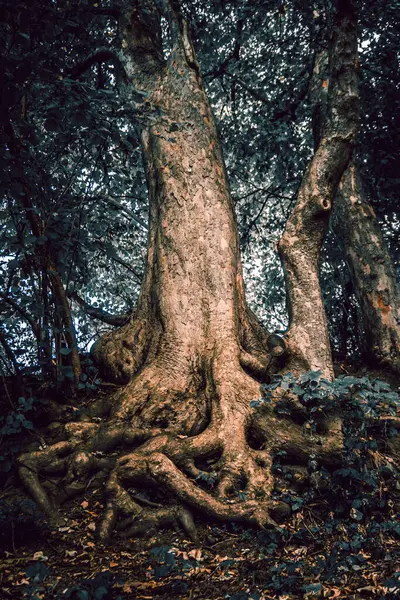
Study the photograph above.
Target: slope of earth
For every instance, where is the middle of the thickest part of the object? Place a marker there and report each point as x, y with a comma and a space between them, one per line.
341, 541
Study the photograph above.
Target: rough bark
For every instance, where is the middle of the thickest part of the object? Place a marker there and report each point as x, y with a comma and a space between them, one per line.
356, 227
192, 355
300, 245
193, 283
372, 274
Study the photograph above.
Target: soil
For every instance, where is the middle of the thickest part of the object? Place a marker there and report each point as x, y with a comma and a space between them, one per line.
308, 559
325, 550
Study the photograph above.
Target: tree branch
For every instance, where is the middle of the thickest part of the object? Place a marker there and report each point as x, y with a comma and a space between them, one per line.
35, 327
120, 206
8, 352
291, 107
124, 264
251, 91
101, 56
98, 313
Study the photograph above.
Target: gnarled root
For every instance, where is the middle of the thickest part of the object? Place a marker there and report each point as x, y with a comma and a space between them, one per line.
204, 451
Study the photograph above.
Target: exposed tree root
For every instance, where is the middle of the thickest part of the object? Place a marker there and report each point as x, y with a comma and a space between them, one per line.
196, 442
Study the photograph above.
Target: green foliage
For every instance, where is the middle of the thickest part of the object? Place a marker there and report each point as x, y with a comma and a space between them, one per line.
307, 561
37, 573
20, 522
166, 560
13, 424
63, 142
15, 421
88, 380
96, 588
361, 487
358, 396
207, 478
24, 511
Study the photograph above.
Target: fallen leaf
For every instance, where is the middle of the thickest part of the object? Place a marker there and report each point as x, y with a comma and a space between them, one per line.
22, 582
92, 526
113, 564
85, 504
70, 553
336, 593
196, 554
39, 556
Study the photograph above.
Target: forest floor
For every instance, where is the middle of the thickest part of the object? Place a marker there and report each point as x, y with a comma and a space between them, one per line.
326, 550
310, 558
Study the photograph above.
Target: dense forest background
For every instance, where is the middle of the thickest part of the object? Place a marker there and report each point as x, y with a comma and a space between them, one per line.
73, 193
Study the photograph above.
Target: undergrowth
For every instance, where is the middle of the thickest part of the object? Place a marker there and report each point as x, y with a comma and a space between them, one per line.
343, 520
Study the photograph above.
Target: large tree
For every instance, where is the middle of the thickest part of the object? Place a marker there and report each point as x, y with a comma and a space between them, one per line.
192, 355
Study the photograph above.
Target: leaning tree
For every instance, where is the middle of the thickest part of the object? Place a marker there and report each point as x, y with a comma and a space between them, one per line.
192, 356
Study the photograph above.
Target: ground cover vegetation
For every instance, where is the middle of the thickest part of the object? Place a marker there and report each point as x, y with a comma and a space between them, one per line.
200, 318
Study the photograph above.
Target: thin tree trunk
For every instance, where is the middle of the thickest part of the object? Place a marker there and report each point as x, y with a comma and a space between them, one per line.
300, 245
9, 353
63, 309
45, 354
48, 265
60, 299
371, 270
355, 225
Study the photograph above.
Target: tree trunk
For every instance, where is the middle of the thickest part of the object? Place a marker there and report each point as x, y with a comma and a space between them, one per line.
63, 310
192, 355
356, 227
46, 265
300, 245
371, 271
192, 304
49, 270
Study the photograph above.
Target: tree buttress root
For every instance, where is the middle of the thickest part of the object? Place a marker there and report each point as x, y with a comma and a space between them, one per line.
210, 454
